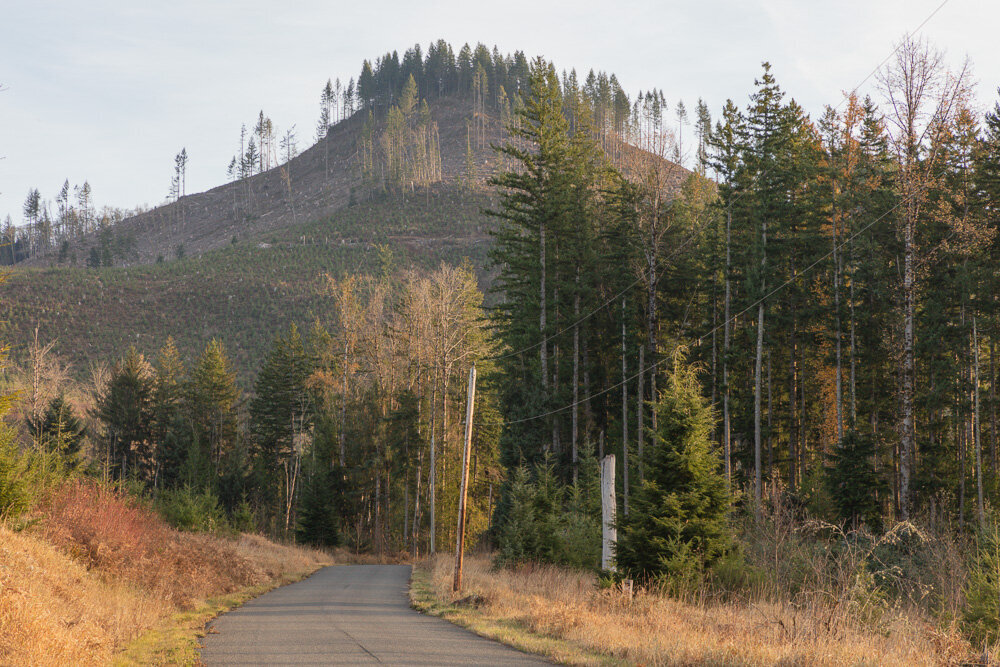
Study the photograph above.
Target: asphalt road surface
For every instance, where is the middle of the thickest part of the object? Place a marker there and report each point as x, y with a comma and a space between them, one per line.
347, 615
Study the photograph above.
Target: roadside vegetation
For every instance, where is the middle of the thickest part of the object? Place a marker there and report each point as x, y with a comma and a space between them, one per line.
87, 566
570, 617
91, 571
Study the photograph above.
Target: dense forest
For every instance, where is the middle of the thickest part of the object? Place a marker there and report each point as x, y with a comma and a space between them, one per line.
808, 320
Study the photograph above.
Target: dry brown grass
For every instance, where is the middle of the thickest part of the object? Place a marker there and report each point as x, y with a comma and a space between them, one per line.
54, 611
98, 570
651, 629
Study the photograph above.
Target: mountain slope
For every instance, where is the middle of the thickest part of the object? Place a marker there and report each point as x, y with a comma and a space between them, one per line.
242, 293
255, 252
313, 185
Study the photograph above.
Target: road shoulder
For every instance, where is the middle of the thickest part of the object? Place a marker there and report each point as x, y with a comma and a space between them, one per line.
176, 641
464, 613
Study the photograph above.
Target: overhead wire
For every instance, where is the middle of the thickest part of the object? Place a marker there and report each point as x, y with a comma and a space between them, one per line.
764, 298
614, 299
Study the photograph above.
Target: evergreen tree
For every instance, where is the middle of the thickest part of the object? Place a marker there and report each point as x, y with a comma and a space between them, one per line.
547, 214
853, 482
319, 513
58, 429
172, 429
982, 590
280, 411
211, 403
677, 524
126, 410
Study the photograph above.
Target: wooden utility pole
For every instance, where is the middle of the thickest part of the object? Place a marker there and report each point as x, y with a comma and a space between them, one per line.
609, 533
460, 533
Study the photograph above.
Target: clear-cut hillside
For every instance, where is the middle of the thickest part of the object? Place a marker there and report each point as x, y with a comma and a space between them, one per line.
321, 179
245, 278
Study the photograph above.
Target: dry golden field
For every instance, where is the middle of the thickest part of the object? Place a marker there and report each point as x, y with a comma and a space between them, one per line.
564, 614
96, 570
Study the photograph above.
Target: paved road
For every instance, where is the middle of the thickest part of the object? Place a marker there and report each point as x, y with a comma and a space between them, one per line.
347, 615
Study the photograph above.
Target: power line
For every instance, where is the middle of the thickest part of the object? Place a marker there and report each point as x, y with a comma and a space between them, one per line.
736, 316
728, 208
891, 54
765, 297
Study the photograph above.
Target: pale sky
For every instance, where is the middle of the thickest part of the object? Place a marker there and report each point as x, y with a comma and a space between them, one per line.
110, 90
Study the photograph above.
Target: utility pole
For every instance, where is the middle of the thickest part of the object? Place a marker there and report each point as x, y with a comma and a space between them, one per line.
460, 533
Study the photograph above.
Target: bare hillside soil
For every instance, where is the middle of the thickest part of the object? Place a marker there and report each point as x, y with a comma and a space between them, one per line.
312, 186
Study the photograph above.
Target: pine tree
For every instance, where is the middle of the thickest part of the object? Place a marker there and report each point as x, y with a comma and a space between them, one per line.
677, 525
853, 482
125, 407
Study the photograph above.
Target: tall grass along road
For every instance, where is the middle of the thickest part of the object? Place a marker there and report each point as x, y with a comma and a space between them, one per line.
347, 615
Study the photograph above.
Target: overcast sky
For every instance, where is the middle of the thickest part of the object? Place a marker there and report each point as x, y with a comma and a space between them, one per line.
110, 90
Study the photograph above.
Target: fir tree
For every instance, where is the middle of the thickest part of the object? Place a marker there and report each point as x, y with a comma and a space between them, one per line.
852, 481
171, 427
677, 524
280, 410
126, 410
319, 514
212, 401
59, 429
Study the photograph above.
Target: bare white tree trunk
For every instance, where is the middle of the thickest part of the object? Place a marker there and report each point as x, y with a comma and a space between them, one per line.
542, 312
836, 308
609, 533
432, 491
638, 411
576, 377
976, 429
757, 371
727, 449
624, 419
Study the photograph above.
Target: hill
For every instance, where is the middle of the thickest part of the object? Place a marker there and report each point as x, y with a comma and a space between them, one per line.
240, 292
311, 186
244, 259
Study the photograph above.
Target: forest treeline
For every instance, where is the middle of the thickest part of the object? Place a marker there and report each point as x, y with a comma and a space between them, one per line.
804, 326
829, 283
347, 437
55, 229
834, 279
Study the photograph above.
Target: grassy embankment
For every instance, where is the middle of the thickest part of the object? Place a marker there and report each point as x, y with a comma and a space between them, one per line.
564, 615
98, 578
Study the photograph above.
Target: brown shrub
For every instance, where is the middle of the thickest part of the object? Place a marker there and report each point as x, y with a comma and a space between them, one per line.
54, 611
99, 568
120, 538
